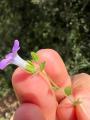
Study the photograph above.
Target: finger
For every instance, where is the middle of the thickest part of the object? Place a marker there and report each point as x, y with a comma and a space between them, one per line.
28, 111
81, 82
35, 89
81, 92
55, 68
66, 110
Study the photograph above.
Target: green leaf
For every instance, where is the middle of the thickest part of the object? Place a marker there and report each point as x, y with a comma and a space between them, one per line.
34, 56
68, 91
42, 66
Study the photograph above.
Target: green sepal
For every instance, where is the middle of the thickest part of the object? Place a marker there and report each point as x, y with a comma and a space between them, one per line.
34, 56
42, 65
68, 91
75, 103
55, 88
30, 62
30, 67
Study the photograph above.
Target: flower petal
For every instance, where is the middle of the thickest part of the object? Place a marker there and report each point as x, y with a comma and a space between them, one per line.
4, 63
9, 56
16, 46
8, 59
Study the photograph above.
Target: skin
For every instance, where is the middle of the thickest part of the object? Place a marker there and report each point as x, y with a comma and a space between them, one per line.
56, 70
36, 90
81, 88
28, 111
55, 67
81, 91
65, 110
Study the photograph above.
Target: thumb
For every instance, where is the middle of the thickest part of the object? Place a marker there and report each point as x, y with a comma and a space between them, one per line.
35, 89
28, 111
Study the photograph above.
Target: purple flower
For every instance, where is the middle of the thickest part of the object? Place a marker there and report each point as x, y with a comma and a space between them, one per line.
16, 47
13, 57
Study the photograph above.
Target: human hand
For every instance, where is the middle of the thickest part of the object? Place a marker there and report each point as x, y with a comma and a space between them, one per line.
37, 88
49, 104
46, 91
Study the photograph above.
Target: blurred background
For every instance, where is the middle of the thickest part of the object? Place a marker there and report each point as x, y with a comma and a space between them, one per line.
63, 25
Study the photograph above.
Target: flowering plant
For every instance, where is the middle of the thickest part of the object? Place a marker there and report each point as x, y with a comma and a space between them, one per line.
14, 58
